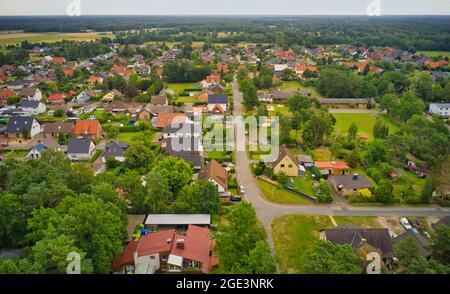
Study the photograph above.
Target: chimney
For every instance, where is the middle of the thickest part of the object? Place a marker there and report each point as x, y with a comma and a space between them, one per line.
355, 176
180, 243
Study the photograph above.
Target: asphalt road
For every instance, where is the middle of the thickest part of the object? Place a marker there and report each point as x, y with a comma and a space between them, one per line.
267, 211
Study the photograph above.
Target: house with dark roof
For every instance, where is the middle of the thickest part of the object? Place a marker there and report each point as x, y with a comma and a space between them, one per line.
53, 129
42, 145
189, 149
169, 251
216, 174
344, 102
31, 107
160, 100
286, 163
80, 149
115, 150
422, 242
20, 125
182, 130
217, 103
357, 237
349, 184
31, 93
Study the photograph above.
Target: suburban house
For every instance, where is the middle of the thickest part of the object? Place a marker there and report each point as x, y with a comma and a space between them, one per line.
349, 184
117, 106
155, 110
110, 96
203, 95
189, 150
210, 80
85, 96
331, 167
441, 109
56, 99
182, 130
344, 102
305, 160
277, 96
160, 100
36, 151
92, 80
53, 129
80, 149
31, 93
5, 94
32, 107
115, 150
90, 128
217, 103
144, 115
169, 251
216, 174
301, 68
286, 163
159, 222
166, 119
357, 237
20, 125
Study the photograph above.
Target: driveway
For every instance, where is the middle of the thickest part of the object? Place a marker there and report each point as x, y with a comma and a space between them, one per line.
267, 211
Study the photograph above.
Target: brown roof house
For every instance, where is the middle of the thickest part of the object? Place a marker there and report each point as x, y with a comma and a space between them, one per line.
55, 128
357, 237
349, 184
159, 100
216, 174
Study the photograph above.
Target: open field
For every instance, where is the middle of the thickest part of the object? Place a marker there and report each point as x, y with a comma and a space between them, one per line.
295, 235
296, 85
11, 39
364, 121
435, 53
279, 195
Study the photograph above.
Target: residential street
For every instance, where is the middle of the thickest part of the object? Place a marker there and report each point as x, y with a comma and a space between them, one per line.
267, 211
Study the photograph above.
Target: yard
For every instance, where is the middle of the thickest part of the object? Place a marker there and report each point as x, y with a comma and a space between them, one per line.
180, 87
322, 154
129, 136
279, 195
14, 38
17, 153
364, 121
296, 85
304, 185
295, 235
435, 53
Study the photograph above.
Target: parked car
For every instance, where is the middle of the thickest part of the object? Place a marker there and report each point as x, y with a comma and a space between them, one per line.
405, 223
242, 189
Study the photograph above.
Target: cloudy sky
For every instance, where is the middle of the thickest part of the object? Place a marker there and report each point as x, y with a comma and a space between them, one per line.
208, 7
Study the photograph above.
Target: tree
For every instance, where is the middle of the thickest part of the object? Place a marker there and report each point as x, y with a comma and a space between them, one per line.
352, 131
421, 266
50, 255
236, 240
297, 103
59, 113
317, 129
406, 251
424, 86
176, 170
324, 192
380, 130
248, 89
259, 260
328, 258
201, 197
81, 178
158, 191
12, 221
384, 192
376, 151
440, 244
138, 156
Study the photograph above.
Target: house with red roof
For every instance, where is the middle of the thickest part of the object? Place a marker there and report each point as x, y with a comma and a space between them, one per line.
301, 68
169, 251
92, 80
210, 80
121, 70
58, 60
89, 128
5, 94
56, 99
332, 167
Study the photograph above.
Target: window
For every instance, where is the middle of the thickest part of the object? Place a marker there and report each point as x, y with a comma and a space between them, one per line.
290, 165
282, 165
152, 257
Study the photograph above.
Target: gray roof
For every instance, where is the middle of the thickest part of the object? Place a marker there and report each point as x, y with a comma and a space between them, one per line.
190, 155
18, 123
178, 219
421, 241
441, 105
217, 98
79, 145
351, 181
115, 149
343, 100
355, 236
29, 104
304, 158
182, 128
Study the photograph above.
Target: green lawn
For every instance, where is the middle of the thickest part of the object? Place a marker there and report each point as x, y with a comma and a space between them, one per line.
11, 39
296, 85
322, 154
128, 136
17, 154
180, 87
435, 53
364, 121
279, 195
295, 235
304, 185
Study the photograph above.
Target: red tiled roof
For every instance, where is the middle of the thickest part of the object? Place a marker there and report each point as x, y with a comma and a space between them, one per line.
213, 79
56, 97
5, 93
155, 243
121, 70
86, 127
166, 119
68, 72
332, 164
127, 257
58, 60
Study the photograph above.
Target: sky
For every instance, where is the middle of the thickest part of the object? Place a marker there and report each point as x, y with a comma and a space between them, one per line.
225, 7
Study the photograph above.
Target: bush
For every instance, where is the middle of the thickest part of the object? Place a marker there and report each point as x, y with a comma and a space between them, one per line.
323, 194
59, 113
375, 174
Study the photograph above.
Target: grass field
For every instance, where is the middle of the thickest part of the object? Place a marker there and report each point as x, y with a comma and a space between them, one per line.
304, 185
435, 53
296, 85
322, 154
364, 121
295, 235
11, 39
279, 195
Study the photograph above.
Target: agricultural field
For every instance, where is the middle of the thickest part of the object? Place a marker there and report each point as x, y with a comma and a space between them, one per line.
14, 38
435, 53
364, 121
295, 235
